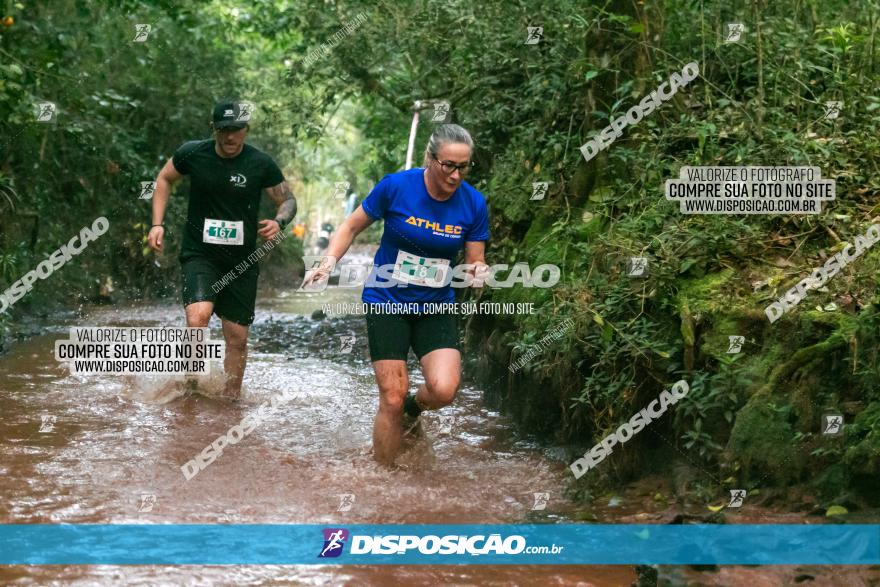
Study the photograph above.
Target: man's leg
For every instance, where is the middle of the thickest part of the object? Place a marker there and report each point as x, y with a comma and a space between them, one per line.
236, 357
235, 308
198, 314
393, 383
442, 371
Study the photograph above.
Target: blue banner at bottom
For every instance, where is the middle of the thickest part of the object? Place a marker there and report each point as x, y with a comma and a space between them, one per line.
375, 544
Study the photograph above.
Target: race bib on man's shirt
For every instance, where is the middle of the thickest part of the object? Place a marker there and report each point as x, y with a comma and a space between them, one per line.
223, 232
414, 270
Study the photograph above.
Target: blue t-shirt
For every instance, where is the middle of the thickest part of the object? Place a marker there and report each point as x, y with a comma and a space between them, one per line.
420, 233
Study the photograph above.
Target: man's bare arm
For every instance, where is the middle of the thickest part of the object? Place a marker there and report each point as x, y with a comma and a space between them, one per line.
283, 198
167, 177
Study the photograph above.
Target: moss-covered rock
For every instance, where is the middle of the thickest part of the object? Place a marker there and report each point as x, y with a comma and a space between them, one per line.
863, 436
831, 482
707, 294
763, 442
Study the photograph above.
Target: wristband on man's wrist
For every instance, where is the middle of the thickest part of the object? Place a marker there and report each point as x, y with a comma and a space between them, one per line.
155, 225
281, 223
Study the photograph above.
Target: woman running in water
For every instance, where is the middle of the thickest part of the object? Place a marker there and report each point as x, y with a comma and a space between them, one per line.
430, 215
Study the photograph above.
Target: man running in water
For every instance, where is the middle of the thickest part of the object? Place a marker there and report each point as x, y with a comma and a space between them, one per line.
226, 179
430, 215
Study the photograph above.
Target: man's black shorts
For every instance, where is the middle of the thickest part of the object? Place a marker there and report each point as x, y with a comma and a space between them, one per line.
234, 296
392, 335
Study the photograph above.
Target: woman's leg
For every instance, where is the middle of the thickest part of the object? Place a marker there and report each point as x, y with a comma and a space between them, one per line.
393, 383
389, 338
435, 341
442, 371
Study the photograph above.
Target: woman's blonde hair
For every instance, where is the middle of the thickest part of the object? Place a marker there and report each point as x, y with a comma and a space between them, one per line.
444, 134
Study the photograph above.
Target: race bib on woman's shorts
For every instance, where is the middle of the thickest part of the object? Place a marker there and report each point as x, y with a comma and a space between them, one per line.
223, 232
414, 270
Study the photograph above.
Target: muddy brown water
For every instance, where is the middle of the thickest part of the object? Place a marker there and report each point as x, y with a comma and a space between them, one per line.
111, 450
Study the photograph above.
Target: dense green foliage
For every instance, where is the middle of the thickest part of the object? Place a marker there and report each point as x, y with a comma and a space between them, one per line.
759, 102
122, 107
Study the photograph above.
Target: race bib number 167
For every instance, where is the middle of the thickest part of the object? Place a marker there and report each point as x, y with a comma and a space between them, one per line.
223, 232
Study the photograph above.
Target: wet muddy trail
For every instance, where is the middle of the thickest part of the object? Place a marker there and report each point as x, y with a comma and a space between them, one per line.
96, 449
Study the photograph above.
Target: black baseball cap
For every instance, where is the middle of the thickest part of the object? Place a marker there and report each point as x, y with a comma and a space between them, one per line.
232, 114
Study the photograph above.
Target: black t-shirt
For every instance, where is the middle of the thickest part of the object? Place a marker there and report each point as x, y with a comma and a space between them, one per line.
224, 199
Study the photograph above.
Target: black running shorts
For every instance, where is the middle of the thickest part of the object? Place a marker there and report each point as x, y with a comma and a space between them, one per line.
392, 335
234, 296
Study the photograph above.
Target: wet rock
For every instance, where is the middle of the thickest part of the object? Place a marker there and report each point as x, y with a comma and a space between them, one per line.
276, 336
301, 337
863, 457
646, 576
5, 339
682, 518
105, 292
496, 348
710, 568
762, 439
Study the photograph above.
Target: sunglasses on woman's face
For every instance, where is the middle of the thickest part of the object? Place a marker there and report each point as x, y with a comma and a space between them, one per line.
449, 167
